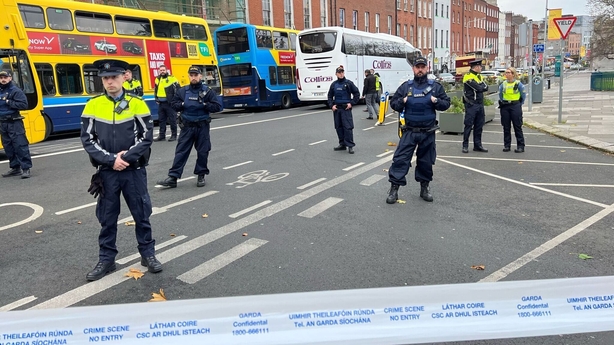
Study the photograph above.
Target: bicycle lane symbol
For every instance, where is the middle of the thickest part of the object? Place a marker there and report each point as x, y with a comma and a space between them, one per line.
257, 176
38, 211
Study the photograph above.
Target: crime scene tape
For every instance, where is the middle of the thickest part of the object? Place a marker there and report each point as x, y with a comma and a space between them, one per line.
397, 315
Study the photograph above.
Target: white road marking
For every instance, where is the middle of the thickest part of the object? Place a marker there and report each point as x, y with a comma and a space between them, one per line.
320, 207
369, 128
318, 142
249, 209
159, 246
353, 166
38, 211
282, 152
385, 153
75, 208
17, 304
252, 114
206, 269
237, 165
311, 183
520, 159
529, 146
90, 289
51, 154
523, 132
535, 253
526, 184
371, 180
574, 185
158, 210
179, 180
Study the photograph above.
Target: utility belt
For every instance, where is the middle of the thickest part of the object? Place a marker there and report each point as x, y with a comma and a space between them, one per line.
508, 102
470, 102
12, 119
197, 124
406, 128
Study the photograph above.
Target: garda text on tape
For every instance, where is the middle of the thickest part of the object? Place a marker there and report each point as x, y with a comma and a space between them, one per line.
400, 315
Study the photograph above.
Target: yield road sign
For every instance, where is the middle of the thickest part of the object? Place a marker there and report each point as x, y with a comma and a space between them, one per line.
564, 25
538, 48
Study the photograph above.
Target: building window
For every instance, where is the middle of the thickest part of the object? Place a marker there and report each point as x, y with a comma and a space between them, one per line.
405, 32
430, 33
342, 17
442, 10
398, 29
398, 4
266, 12
389, 25
419, 8
405, 5
437, 9
288, 14
323, 12
377, 23
411, 5
447, 41
436, 39
428, 9
442, 38
367, 21
307, 13
355, 20
411, 34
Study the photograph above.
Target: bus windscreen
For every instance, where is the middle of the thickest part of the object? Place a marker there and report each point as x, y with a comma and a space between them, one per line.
317, 42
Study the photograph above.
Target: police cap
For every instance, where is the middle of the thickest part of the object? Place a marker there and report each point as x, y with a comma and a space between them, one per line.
476, 62
110, 67
340, 69
194, 70
420, 60
5, 73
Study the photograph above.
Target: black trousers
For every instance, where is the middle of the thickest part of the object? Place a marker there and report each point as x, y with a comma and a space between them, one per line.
15, 144
344, 124
474, 119
511, 115
201, 140
424, 145
167, 114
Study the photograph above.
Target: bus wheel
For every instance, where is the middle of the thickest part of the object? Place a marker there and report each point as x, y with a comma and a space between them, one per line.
286, 101
48, 126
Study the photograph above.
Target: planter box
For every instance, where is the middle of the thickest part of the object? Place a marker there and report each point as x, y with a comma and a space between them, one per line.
490, 112
451, 122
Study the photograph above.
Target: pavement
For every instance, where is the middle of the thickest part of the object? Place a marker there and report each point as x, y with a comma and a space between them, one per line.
587, 116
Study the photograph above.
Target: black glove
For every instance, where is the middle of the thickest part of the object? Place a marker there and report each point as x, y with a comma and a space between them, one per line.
180, 121
96, 187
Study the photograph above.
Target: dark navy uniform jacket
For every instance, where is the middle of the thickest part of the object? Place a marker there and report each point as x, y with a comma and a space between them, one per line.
344, 91
419, 109
196, 102
12, 99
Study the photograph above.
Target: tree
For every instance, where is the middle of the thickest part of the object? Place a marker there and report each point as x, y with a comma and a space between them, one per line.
602, 40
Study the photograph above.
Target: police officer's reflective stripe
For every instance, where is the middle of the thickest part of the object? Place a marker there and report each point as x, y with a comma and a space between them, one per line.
472, 76
104, 109
163, 83
510, 91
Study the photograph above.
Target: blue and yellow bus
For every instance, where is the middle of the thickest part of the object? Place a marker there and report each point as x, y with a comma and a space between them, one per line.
257, 65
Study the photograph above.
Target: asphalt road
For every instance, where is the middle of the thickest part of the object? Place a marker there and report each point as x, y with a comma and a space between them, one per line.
285, 213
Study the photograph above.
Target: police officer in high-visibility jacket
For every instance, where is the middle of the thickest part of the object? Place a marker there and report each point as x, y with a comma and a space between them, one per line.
164, 89
511, 99
473, 98
132, 86
117, 133
195, 102
342, 95
419, 99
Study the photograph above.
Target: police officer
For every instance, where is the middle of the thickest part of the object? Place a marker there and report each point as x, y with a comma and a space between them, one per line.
117, 133
473, 98
132, 86
511, 99
164, 89
418, 99
342, 94
195, 102
12, 131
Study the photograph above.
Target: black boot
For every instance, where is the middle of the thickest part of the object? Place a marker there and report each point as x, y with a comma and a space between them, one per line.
425, 192
101, 269
13, 172
341, 147
201, 181
168, 182
393, 194
173, 137
152, 264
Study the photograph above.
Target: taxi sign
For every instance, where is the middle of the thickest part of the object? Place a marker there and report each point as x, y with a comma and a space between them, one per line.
564, 25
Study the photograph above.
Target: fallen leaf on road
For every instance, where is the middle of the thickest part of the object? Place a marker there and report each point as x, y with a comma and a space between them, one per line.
131, 223
386, 150
386, 170
245, 234
390, 143
205, 215
38, 231
134, 273
158, 297
584, 256
79, 222
519, 162
562, 150
401, 201
478, 267
173, 235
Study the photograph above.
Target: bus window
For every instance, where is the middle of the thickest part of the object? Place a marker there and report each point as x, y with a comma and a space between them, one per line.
263, 39
93, 22
93, 84
318, 42
59, 19
45, 75
162, 28
352, 44
69, 79
32, 16
194, 32
136, 72
237, 70
280, 40
284, 75
272, 75
293, 41
232, 41
131, 26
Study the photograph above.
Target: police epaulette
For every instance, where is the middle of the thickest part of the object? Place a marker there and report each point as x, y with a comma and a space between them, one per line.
134, 96
102, 94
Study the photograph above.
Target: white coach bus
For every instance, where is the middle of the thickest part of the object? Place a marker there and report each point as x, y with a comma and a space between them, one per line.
320, 51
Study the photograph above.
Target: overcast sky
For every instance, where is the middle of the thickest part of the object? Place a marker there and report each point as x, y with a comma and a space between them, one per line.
536, 9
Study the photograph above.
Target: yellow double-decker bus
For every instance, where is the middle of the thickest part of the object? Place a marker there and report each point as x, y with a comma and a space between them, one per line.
14, 57
66, 37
